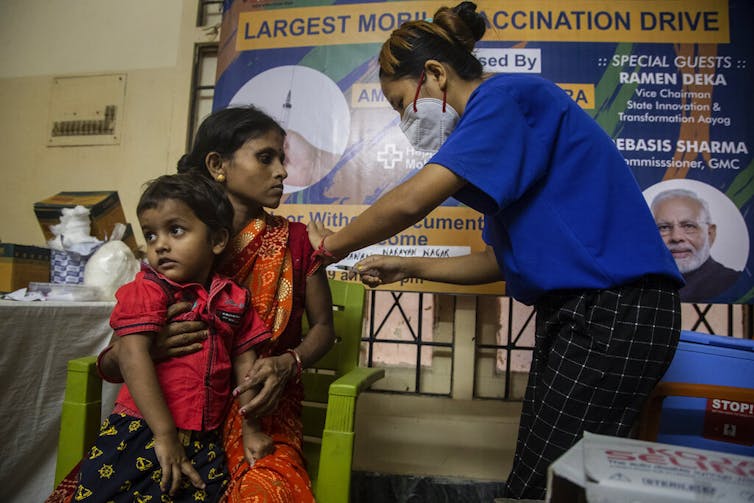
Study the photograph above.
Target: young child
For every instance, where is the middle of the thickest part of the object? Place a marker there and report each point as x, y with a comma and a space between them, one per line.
186, 221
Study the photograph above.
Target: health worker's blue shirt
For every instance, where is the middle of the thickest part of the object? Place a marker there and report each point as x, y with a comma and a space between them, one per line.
562, 208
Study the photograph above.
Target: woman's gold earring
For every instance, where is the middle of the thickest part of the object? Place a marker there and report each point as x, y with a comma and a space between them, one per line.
220, 178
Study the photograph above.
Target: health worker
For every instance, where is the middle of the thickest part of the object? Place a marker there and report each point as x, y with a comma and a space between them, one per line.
565, 225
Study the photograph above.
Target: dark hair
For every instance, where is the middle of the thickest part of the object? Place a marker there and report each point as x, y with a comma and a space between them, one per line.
224, 132
449, 38
206, 198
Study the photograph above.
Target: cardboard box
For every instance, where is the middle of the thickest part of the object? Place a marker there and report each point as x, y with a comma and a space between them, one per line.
21, 265
104, 211
712, 424
601, 468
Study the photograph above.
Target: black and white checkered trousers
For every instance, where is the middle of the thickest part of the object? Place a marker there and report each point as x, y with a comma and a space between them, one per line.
598, 354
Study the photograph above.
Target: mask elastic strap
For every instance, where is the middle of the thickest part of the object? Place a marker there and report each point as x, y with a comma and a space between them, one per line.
418, 89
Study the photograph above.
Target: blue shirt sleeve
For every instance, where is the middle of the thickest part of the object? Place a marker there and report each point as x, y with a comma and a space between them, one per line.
502, 145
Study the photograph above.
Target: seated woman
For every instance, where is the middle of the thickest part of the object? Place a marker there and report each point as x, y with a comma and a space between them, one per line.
243, 149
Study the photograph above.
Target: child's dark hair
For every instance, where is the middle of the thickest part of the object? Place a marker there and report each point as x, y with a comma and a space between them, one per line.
224, 132
206, 198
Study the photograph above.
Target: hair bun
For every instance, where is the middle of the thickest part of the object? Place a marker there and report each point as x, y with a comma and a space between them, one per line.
473, 20
184, 163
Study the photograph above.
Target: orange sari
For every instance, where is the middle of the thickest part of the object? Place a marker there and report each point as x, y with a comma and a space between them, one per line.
272, 257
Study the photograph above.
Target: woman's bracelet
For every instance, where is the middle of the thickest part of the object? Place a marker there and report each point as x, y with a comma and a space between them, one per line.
299, 364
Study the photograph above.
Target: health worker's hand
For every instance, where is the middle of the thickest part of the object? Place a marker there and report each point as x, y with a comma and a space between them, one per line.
377, 270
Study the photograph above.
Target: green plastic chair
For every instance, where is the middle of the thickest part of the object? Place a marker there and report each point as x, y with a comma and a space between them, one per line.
331, 388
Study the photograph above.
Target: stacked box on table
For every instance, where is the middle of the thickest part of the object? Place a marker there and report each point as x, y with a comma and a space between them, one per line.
21, 265
104, 207
713, 424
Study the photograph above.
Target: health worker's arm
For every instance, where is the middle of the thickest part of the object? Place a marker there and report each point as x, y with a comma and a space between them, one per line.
397, 210
472, 269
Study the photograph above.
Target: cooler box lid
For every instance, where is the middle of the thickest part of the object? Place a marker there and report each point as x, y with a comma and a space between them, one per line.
717, 340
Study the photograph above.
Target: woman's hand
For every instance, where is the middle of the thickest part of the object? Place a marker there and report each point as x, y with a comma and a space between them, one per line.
270, 375
178, 338
377, 270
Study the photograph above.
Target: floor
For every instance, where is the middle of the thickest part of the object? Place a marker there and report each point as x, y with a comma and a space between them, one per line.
385, 488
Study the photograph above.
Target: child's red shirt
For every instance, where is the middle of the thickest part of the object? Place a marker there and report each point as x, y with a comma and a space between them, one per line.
196, 387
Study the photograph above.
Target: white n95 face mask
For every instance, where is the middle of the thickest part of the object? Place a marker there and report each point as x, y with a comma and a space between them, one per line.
427, 123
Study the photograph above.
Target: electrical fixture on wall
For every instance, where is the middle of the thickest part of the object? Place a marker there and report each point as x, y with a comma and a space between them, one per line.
86, 110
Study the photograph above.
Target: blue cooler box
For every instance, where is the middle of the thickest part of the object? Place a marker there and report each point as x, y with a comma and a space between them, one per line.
710, 424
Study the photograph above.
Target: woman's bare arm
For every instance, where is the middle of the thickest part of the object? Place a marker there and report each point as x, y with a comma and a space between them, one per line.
274, 372
321, 335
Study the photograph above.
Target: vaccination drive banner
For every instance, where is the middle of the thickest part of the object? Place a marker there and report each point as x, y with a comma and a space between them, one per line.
671, 81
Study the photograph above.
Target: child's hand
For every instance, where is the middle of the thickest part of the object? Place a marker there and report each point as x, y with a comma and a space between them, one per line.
256, 444
174, 463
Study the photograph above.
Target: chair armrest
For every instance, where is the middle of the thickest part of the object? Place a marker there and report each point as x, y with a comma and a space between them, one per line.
334, 474
355, 381
650, 420
80, 415
341, 402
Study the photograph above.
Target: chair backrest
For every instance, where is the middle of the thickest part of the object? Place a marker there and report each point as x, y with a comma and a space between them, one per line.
348, 318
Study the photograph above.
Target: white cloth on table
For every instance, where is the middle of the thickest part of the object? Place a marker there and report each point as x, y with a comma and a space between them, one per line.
38, 339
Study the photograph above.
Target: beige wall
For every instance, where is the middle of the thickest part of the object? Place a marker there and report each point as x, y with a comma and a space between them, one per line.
149, 41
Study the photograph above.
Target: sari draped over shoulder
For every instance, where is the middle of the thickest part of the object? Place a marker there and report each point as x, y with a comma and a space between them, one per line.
258, 258
271, 256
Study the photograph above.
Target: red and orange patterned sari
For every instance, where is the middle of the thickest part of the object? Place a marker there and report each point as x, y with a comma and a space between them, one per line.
272, 257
